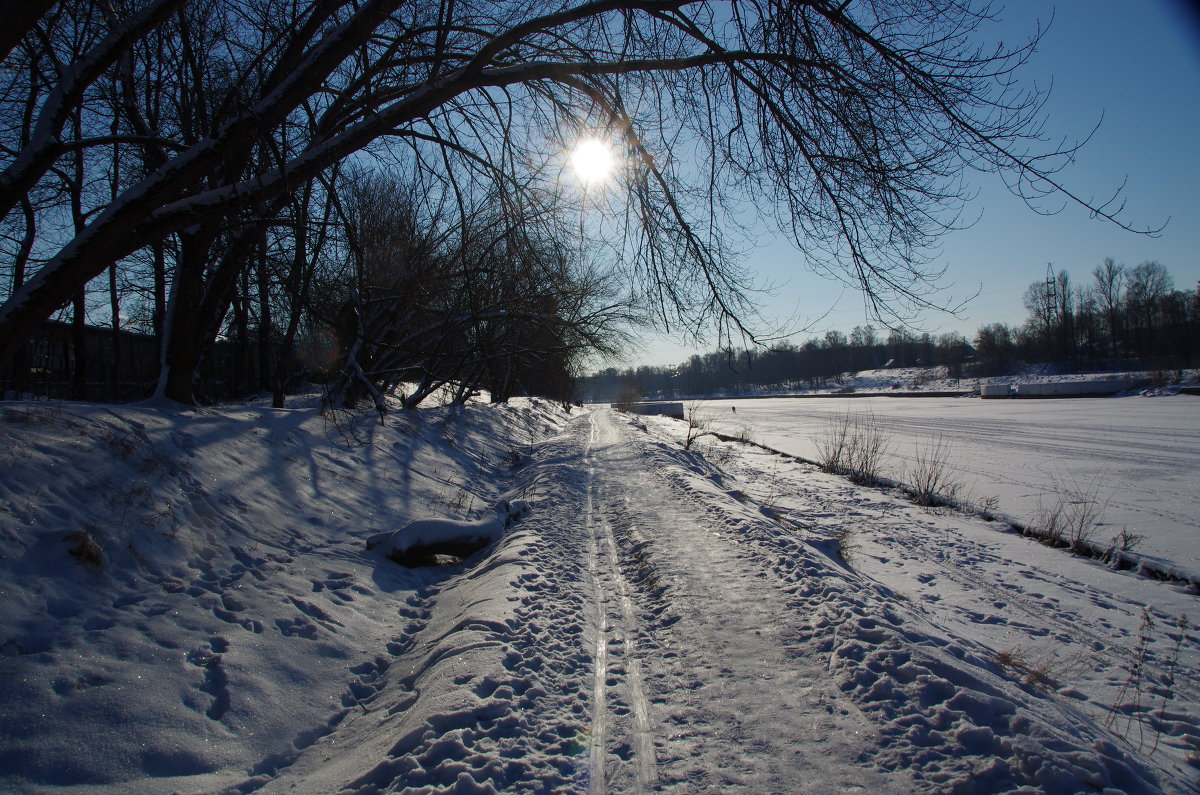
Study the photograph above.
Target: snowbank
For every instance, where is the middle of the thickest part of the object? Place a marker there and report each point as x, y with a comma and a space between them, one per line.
228, 621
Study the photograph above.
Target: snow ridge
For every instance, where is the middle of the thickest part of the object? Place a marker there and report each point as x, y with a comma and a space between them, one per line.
431, 531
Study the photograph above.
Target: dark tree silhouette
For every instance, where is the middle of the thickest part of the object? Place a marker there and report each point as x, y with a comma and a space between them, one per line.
851, 124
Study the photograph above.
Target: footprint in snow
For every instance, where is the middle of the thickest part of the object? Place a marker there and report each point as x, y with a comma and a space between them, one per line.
296, 628
313, 611
216, 681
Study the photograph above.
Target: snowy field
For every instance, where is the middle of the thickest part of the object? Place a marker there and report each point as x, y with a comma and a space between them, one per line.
189, 605
1138, 457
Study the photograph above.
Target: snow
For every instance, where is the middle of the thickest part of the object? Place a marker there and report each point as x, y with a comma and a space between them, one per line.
1139, 457
432, 531
925, 379
645, 618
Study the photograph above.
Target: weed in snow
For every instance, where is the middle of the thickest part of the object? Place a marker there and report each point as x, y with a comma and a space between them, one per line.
929, 480
848, 546
854, 445
1125, 541
1168, 694
744, 435
987, 507
717, 454
1132, 687
85, 549
1071, 516
697, 426
1044, 671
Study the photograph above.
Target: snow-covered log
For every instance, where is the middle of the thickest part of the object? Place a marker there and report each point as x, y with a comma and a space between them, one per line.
437, 530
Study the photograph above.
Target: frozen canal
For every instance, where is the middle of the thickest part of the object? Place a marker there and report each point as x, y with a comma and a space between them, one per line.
1139, 455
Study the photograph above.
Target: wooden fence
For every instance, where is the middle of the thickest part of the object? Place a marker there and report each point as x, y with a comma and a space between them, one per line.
120, 368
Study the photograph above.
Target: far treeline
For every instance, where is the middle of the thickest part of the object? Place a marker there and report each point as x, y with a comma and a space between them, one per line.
1121, 318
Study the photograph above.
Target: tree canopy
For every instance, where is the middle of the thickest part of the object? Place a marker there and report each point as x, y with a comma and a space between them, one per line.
165, 141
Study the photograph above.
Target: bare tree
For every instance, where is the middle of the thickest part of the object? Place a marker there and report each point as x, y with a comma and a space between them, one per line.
996, 349
856, 120
473, 296
1109, 278
1146, 285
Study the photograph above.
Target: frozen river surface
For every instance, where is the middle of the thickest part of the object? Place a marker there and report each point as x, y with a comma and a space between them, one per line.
1140, 456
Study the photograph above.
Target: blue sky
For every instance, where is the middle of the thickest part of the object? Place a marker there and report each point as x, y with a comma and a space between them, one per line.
1137, 65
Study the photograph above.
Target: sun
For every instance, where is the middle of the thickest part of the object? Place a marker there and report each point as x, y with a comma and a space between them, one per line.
593, 161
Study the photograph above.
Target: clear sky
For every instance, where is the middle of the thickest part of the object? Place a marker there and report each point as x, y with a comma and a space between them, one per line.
1137, 65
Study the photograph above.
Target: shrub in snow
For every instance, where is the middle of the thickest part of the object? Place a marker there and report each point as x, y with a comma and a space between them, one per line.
423, 538
929, 480
627, 397
854, 445
697, 426
1072, 517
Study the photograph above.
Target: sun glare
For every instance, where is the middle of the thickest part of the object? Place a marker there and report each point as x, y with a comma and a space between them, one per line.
593, 161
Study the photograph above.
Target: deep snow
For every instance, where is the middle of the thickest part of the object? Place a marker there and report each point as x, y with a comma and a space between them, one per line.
189, 605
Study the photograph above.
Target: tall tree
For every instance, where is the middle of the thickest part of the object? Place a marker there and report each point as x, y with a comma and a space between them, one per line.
1109, 283
1146, 286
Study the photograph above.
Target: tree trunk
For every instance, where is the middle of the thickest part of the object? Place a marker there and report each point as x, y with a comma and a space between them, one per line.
22, 359
160, 292
297, 285
264, 319
241, 318
114, 308
181, 354
79, 345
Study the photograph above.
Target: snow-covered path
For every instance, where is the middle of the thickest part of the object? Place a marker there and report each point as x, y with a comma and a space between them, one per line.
737, 702
771, 668
616, 625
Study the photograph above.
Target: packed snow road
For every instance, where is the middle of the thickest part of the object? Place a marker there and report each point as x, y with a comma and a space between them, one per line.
738, 701
653, 622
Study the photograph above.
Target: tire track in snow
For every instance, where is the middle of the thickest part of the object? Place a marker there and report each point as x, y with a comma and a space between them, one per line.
643, 743
744, 702
603, 564
596, 781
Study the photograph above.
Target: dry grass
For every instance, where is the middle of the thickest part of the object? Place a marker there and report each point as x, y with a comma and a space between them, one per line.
1071, 516
854, 445
1045, 670
929, 480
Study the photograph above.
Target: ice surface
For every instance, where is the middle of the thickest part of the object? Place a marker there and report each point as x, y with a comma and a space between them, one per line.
1139, 456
